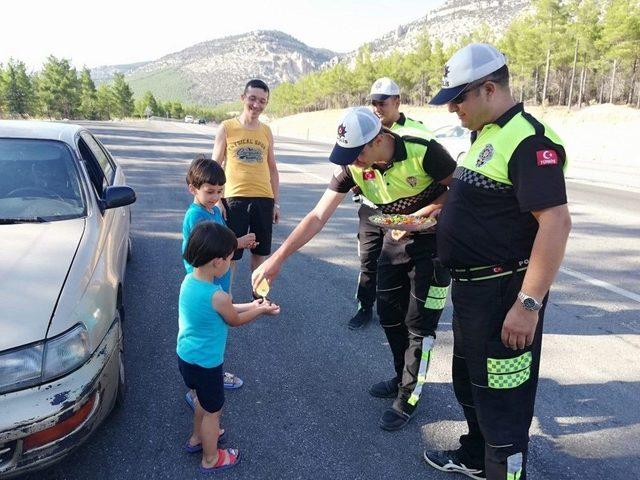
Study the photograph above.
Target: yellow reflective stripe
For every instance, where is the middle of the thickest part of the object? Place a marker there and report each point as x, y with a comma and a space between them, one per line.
514, 466
427, 345
509, 380
509, 365
436, 297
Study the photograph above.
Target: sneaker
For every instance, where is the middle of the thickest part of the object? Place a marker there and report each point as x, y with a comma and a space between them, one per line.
360, 319
393, 419
385, 389
450, 461
231, 381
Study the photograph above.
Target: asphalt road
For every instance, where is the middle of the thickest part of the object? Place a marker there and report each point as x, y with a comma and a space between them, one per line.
304, 412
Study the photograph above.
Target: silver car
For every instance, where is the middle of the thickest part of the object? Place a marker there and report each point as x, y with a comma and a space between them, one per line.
455, 139
64, 243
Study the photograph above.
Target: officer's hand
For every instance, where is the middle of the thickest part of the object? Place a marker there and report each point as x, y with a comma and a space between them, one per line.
269, 270
519, 327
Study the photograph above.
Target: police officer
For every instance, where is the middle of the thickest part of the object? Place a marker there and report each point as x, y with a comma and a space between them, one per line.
503, 232
385, 100
400, 175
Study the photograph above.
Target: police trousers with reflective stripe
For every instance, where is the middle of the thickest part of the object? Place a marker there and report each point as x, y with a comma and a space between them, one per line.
369, 247
411, 293
496, 386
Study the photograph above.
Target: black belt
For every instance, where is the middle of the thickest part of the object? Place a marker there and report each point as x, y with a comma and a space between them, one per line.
474, 274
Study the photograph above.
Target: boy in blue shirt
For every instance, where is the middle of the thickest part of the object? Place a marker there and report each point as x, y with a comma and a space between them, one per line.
205, 314
205, 180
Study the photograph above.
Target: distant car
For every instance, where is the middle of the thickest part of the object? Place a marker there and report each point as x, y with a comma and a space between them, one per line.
64, 244
201, 121
188, 119
455, 139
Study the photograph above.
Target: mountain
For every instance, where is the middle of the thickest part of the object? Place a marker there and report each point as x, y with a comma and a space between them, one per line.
105, 73
216, 71
450, 22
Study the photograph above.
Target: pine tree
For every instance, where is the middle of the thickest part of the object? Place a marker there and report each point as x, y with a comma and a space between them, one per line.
18, 94
59, 89
88, 96
122, 96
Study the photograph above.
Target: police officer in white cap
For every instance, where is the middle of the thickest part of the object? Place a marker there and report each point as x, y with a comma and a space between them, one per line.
404, 175
385, 100
503, 232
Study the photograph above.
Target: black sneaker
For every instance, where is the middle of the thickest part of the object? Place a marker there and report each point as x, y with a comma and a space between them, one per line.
385, 389
393, 419
360, 319
450, 461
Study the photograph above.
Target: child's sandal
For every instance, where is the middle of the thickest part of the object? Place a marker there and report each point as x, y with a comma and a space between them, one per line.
227, 458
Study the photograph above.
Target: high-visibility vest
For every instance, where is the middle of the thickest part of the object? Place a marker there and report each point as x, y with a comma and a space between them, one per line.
490, 153
405, 178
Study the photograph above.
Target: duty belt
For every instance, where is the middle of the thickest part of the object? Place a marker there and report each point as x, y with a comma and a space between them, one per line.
474, 274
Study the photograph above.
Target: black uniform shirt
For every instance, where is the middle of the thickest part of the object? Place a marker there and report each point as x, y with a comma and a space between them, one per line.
486, 223
437, 163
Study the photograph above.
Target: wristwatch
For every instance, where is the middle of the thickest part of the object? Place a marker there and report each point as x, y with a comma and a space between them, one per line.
529, 303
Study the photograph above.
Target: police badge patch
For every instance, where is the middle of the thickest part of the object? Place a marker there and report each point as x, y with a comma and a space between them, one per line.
485, 155
412, 181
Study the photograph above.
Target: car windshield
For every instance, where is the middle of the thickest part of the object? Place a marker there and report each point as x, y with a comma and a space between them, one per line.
39, 182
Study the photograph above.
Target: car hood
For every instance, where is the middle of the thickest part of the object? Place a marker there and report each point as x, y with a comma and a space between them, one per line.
34, 261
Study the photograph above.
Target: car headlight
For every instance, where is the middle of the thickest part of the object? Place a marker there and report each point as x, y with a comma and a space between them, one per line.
21, 368
36, 364
65, 352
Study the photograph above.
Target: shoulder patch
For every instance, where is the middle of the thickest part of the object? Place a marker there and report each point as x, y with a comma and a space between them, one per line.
546, 157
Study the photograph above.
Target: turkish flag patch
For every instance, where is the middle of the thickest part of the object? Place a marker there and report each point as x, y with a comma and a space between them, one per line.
368, 174
546, 157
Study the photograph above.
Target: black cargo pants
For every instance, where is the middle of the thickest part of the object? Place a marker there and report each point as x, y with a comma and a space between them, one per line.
495, 386
411, 293
369, 248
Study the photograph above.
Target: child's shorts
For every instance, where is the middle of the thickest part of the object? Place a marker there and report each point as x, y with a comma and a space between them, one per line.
207, 382
251, 215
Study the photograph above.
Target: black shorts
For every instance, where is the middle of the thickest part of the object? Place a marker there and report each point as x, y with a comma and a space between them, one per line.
207, 382
251, 215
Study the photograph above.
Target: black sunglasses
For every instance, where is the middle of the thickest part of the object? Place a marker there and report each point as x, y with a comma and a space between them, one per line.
463, 95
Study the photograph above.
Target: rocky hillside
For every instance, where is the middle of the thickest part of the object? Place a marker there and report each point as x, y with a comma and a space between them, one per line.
215, 71
449, 22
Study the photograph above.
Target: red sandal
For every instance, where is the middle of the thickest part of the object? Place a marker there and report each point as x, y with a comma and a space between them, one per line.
227, 458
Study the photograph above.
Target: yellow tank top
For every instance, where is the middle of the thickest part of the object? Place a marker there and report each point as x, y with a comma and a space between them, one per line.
246, 166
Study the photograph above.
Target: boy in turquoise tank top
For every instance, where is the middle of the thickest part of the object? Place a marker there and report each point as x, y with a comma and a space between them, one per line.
205, 180
205, 314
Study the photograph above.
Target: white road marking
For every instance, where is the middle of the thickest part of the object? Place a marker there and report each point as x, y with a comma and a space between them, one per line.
601, 284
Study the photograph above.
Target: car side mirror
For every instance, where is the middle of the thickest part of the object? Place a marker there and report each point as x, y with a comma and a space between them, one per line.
115, 197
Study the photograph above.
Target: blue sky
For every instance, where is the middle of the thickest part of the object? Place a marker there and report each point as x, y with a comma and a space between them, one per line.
119, 31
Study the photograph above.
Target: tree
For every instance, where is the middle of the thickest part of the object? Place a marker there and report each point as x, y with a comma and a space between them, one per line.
88, 96
148, 105
105, 105
122, 96
621, 33
58, 88
17, 92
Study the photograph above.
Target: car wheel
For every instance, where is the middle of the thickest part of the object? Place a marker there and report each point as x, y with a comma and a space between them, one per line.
122, 385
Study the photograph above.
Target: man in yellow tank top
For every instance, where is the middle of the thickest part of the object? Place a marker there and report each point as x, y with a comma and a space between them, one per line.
244, 147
